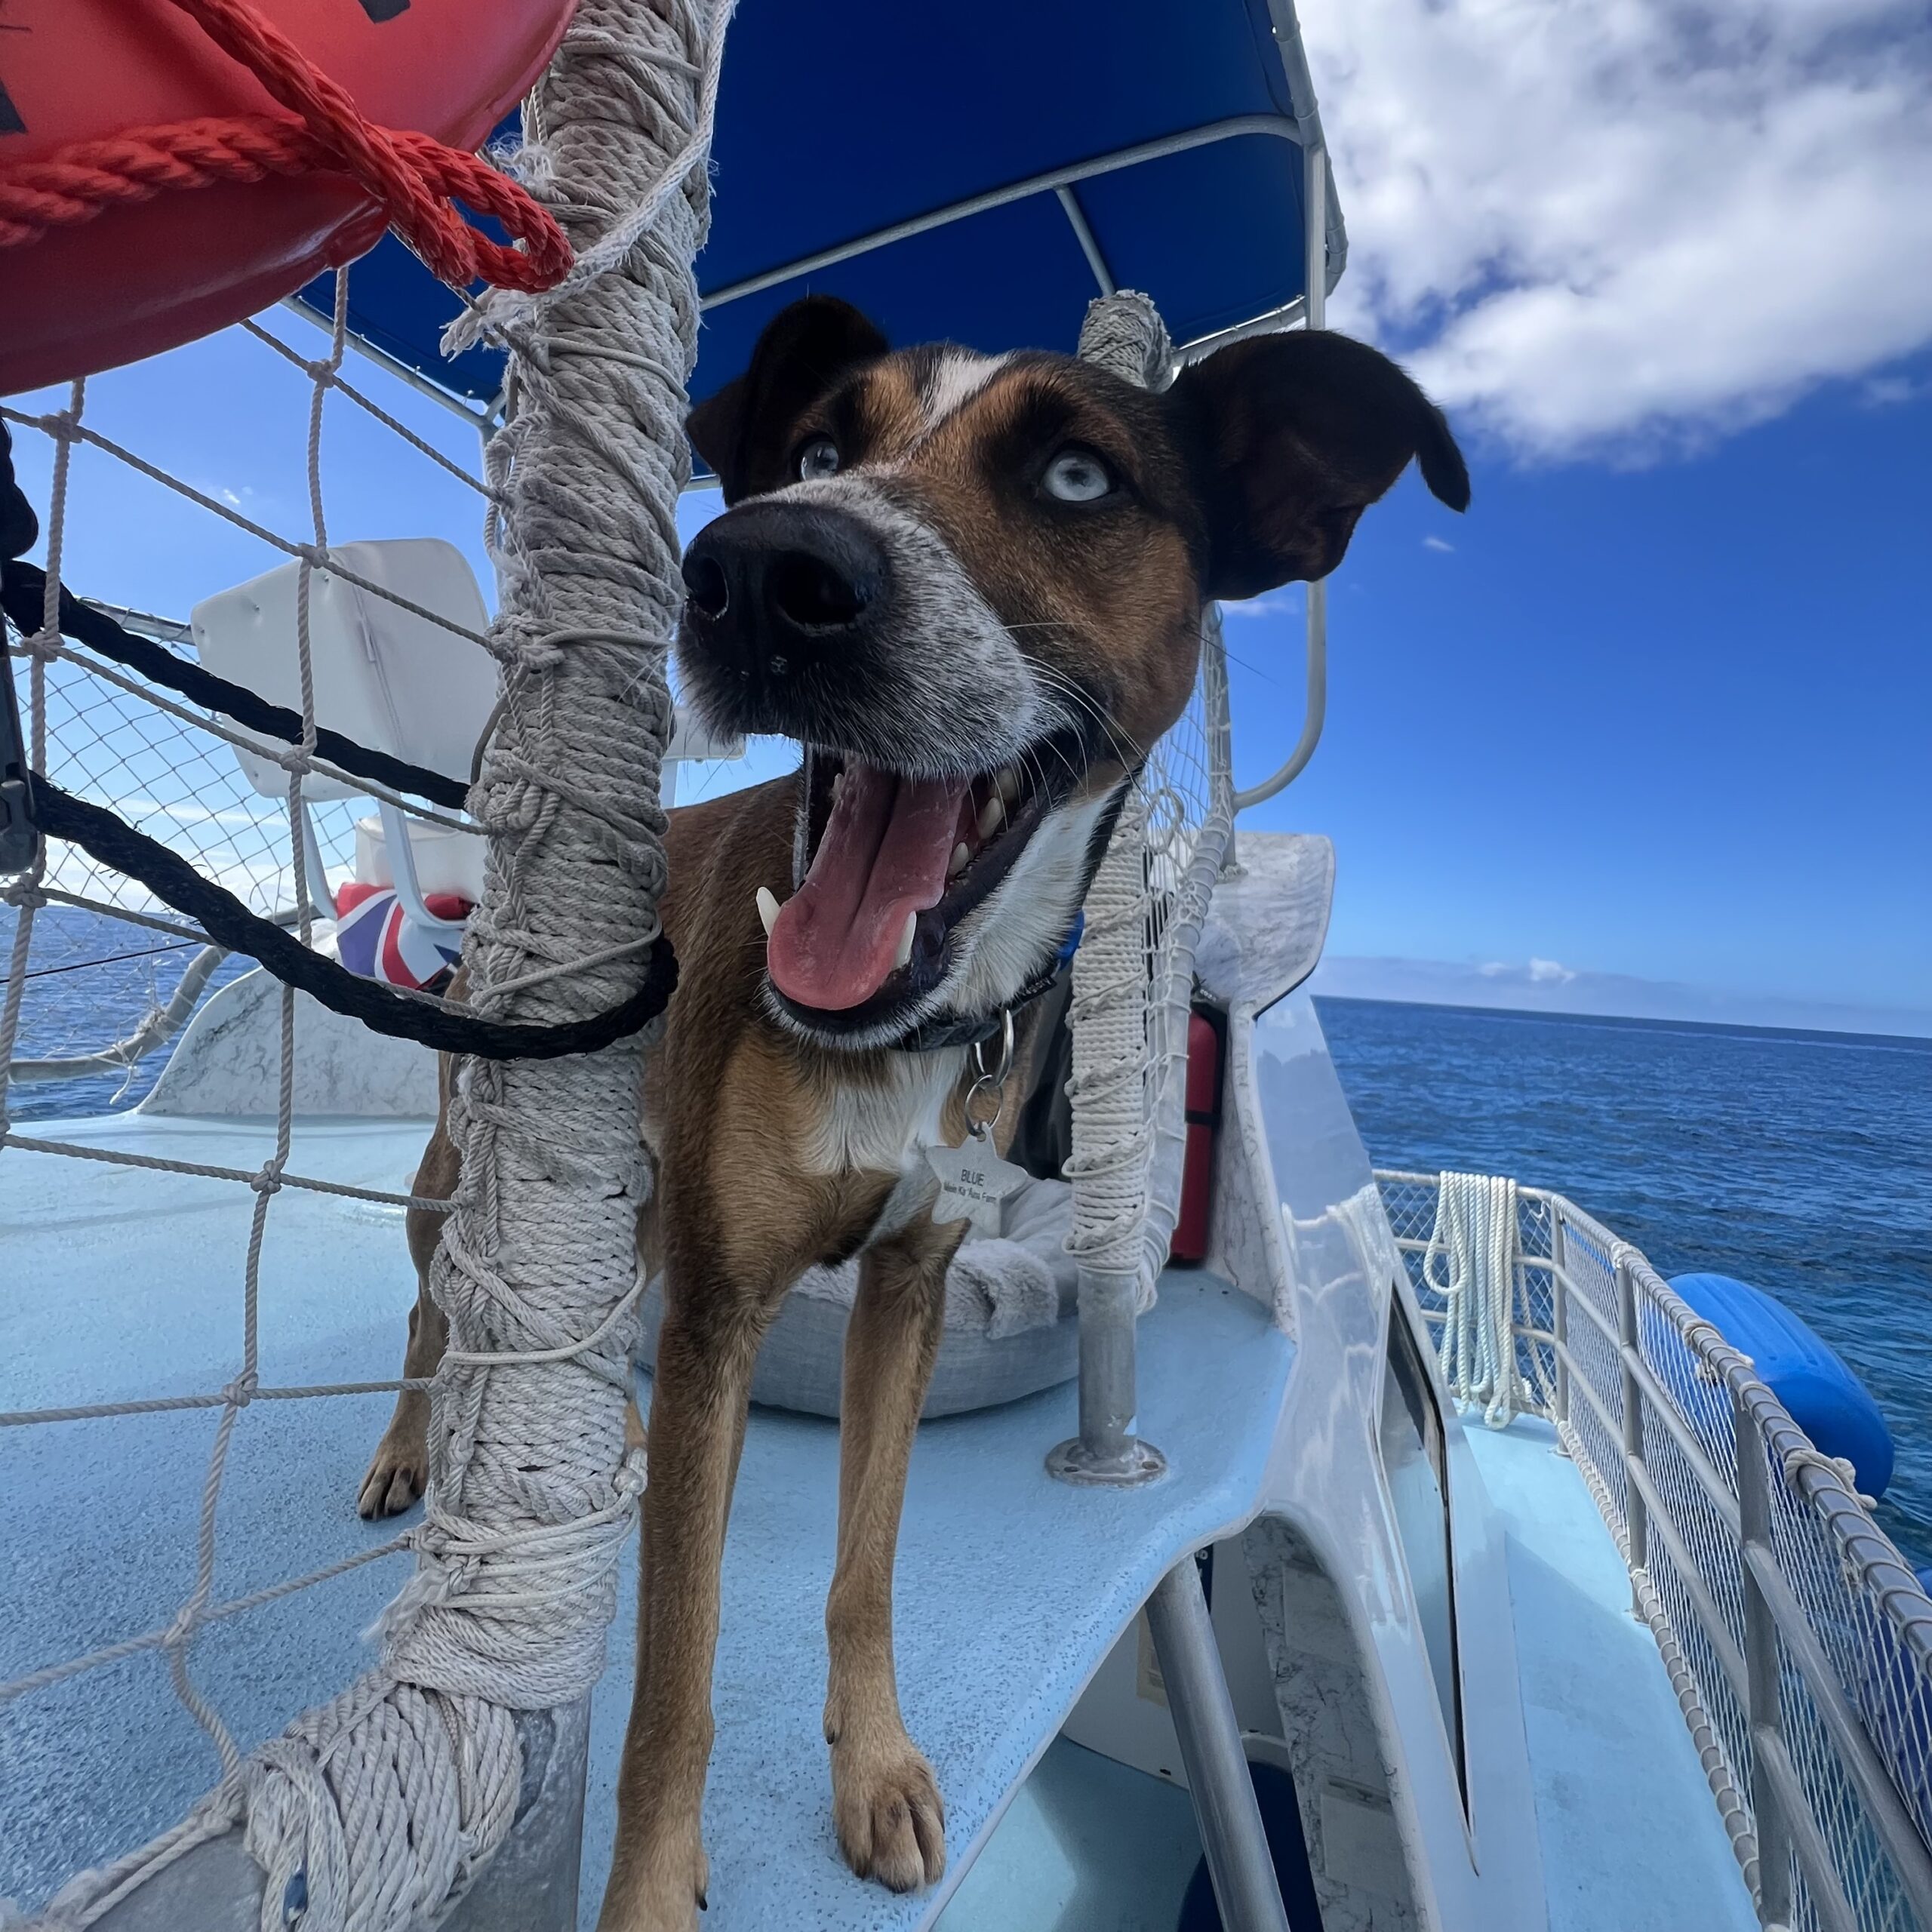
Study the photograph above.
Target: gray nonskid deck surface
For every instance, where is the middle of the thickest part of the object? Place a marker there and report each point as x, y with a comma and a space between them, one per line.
124, 1285
121, 1285
1010, 1588
1631, 1835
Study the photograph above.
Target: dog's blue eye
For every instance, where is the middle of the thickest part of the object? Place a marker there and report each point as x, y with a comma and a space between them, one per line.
820, 457
1077, 476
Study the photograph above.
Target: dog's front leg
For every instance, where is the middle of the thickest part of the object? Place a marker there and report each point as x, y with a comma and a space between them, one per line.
886, 1804
399, 1471
698, 1396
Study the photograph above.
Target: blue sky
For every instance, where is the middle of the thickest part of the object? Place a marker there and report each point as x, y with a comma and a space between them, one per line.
1665, 719
1647, 727
1668, 721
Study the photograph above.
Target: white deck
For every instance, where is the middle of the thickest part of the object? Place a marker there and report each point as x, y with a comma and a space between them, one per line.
124, 1284
1631, 1835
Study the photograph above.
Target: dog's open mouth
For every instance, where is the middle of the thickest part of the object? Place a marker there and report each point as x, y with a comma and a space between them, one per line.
895, 863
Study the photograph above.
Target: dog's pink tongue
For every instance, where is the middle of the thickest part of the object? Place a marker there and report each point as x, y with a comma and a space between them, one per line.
884, 855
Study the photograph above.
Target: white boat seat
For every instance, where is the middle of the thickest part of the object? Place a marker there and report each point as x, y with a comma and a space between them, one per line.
391, 680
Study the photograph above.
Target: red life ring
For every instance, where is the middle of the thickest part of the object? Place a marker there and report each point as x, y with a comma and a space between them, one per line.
84, 293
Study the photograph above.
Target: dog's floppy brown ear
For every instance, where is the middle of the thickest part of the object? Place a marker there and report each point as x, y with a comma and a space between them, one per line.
1293, 436
804, 349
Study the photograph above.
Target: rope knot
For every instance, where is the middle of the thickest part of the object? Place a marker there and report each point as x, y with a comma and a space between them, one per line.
185, 1622
269, 1181
241, 1391
536, 655
1840, 1466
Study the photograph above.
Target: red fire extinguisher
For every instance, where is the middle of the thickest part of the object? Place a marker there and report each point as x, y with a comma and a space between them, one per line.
1207, 1044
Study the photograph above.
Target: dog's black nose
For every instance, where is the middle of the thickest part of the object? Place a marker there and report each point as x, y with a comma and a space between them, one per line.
773, 587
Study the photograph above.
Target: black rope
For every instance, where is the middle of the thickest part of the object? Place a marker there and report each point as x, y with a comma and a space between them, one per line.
223, 917
20, 528
23, 594
228, 922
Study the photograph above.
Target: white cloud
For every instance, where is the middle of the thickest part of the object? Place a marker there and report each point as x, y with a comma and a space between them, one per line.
1631, 223
1262, 607
1537, 973
1437, 543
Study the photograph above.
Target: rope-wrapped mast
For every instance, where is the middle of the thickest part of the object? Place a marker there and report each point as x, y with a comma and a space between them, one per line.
378, 1809
1124, 334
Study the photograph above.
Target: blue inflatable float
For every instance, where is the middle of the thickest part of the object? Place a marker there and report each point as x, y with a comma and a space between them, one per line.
1823, 1396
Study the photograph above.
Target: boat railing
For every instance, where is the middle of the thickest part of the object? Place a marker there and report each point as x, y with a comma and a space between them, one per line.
1798, 1639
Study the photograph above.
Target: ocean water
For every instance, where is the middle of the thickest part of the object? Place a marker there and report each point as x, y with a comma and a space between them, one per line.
90, 981
1799, 1162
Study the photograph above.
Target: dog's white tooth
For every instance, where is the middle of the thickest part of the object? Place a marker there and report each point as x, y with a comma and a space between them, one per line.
1008, 783
768, 908
838, 782
992, 816
906, 940
961, 857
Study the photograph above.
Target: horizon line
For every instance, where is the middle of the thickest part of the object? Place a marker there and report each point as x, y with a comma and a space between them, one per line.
1922, 1040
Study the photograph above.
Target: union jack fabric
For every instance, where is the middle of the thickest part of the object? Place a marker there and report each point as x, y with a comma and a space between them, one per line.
375, 937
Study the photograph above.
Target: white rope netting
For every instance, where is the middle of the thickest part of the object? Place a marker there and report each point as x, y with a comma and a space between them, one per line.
99, 732
375, 1810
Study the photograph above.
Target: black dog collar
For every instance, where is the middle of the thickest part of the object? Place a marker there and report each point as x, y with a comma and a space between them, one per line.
952, 1031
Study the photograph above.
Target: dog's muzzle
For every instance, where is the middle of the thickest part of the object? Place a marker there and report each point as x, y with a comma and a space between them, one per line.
778, 592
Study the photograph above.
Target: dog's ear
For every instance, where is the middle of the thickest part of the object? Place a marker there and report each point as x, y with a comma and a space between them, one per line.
1292, 437
803, 351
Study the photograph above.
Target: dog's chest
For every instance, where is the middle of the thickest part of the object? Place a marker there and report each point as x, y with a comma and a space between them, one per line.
881, 1124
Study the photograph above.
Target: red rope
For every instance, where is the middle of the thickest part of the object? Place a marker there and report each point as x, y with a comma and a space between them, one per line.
412, 177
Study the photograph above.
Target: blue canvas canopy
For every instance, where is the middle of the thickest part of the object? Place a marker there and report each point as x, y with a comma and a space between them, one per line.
974, 175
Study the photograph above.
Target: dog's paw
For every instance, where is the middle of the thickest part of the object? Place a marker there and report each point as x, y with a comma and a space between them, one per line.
662, 1891
398, 1474
886, 1805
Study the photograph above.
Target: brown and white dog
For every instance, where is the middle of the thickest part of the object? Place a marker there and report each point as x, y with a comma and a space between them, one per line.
972, 587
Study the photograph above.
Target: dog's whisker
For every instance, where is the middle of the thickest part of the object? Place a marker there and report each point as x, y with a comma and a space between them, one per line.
1130, 753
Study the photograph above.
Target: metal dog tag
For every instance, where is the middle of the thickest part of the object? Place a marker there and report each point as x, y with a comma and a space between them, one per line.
972, 1181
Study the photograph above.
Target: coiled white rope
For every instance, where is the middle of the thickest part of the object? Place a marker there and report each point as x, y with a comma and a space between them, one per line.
1475, 1235
374, 1813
